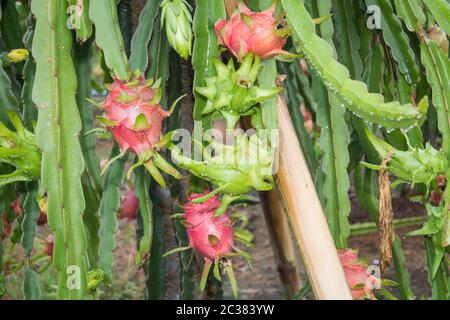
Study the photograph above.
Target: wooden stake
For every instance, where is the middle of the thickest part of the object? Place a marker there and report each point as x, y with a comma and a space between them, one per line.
282, 243
307, 219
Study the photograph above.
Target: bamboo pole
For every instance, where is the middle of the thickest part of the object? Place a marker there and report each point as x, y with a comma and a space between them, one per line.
282, 243
307, 219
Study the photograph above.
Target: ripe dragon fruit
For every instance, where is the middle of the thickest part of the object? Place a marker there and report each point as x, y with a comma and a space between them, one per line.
360, 281
134, 117
209, 235
257, 32
129, 206
212, 237
49, 245
233, 92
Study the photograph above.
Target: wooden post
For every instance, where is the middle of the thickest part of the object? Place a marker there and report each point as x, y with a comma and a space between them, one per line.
305, 213
282, 243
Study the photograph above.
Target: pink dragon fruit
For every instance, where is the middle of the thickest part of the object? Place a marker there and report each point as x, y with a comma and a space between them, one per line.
247, 31
360, 281
49, 244
15, 206
209, 235
134, 117
129, 206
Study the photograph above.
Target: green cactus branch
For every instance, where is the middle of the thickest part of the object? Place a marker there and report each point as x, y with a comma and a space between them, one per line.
57, 133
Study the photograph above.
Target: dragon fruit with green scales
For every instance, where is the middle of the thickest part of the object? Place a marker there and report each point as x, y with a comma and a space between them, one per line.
213, 237
253, 32
134, 117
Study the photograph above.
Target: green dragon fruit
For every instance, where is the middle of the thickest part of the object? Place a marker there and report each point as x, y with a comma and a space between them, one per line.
414, 165
235, 169
18, 148
134, 117
177, 18
233, 92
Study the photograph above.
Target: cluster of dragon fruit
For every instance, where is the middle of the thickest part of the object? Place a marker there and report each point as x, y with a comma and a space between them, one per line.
134, 117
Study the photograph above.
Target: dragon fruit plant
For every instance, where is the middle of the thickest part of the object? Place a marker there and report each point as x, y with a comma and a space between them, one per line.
357, 99
233, 92
253, 32
134, 117
212, 236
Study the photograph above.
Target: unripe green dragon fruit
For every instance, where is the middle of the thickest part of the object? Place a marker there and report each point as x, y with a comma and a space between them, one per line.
18, 148
235, 169
177, 19
234, 92
414, 165
134, 117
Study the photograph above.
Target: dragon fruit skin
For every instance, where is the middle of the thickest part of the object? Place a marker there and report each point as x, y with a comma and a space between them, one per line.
129, 206
361, 283
247, 31
209, 235
134, 117
49, 245
125, 103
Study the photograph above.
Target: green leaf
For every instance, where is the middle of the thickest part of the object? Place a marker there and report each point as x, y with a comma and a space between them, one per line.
8, 100
371, 107
206, 46
11, 34
31, 211
440, 9
142, 35
411, 12
109, 204
334, 140
29, 114
31, 288
79, 19
108, 36
397, 40
146, 211
57, 134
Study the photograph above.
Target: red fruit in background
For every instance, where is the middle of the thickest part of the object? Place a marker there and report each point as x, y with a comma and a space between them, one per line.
49, 244
134, 115
211, 236
42, 219
435, 197
360, 281
441, 180
129, 206
15, 206
307, 117
7, 227
247, 31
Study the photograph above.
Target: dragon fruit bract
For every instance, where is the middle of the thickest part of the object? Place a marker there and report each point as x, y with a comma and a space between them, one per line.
209, 235
134, 117
247, 31
359, 280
